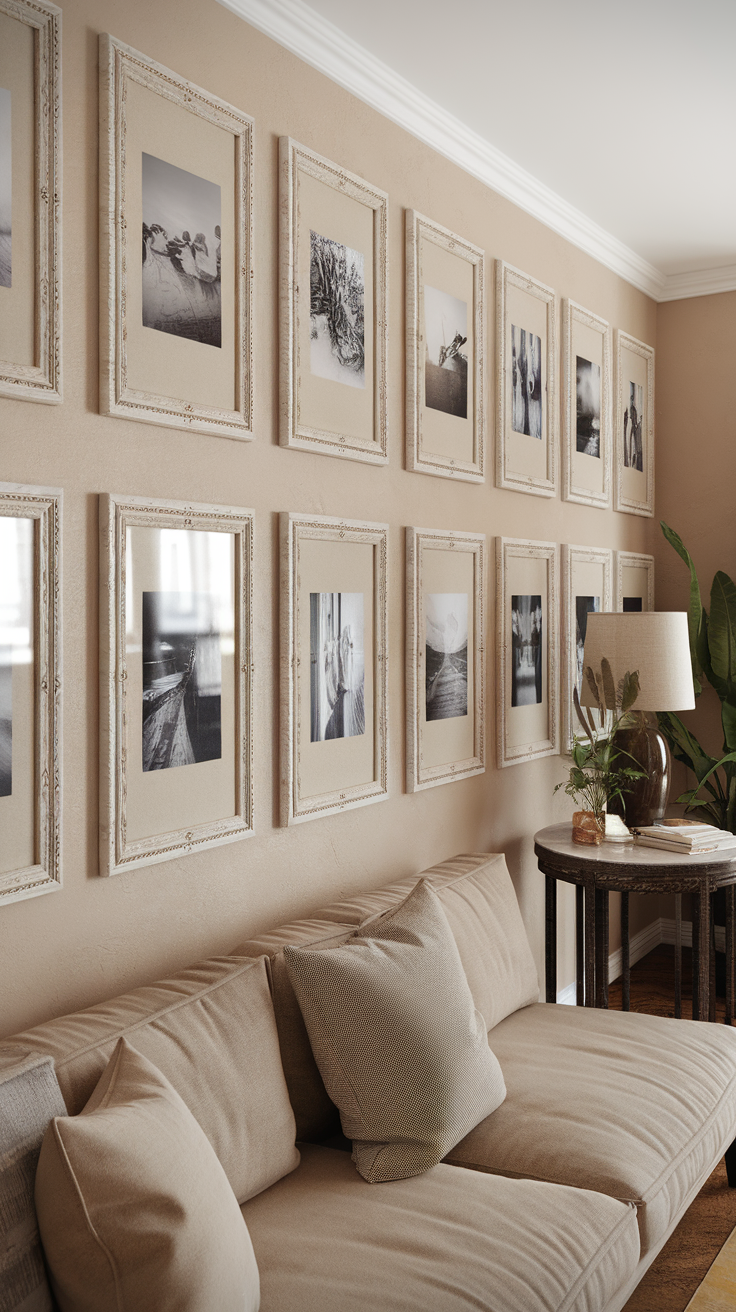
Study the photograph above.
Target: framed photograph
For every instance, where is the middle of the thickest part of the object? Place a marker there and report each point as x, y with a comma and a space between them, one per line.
176, 679
587, 453
634, 426
587, 586
445, 352
445, 656
176, 238
634, 588
334, 318
334, 676
528, 649
30, 691
526, 394
30, 200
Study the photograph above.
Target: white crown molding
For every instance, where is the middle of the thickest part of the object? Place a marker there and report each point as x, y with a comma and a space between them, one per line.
309, 36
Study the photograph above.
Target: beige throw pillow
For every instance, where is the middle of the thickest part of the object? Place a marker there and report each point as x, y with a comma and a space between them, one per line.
135, 1211
400, 1047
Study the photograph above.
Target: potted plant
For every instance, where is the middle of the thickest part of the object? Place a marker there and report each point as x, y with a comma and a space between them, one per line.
598, 774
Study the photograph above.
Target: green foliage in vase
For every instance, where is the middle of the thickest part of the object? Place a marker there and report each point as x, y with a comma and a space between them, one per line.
597, 774
713, 656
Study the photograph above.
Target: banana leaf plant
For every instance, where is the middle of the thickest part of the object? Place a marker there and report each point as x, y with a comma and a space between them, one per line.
713, 655
597, 775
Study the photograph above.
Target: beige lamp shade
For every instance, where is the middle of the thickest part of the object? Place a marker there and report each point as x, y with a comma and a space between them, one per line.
653, 642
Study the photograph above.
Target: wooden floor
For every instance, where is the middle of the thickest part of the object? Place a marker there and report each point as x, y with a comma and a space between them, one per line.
676, 1273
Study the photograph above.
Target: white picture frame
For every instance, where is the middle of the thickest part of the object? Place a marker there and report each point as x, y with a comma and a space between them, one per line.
328, 767
583, 569
150, 811
445, 704
168, 375
450, 444
325, 407
30, 692
521, 465
586, 399
30, 306
634, 580
634, 460
527, 716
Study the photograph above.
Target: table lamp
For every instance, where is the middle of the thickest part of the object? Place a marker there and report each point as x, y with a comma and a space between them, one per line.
656, 644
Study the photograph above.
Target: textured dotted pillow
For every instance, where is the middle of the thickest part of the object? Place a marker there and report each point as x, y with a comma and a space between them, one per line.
400, 1047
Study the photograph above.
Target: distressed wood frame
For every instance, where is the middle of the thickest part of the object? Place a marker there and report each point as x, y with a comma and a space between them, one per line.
293, 158
573, 313
523, 548
418, 230
571, 556
44, 506
633, 560
42, 380
418, 542
117, 514
118, 64
621, 501
294, 529
516, 480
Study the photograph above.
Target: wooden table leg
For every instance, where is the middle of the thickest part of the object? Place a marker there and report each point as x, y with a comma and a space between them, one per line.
701, 951
712, 964
579, 947
678, 955
601, 947
550, 939
590, 945
729, 952
625, 955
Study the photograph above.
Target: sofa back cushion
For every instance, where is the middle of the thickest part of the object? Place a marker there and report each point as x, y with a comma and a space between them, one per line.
211, 1032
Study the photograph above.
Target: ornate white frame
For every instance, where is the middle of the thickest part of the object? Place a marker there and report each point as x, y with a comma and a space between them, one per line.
573, 313
294, 157
549, 551
572, 555
117, 514
419, 541
43, 505
294, 529
621, 501
517, 481
119, 64
420, 229
634, 560
42, 381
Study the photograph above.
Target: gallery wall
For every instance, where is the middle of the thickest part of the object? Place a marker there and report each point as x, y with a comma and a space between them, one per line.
96, 937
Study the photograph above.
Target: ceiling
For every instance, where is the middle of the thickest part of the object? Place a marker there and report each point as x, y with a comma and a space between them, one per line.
613, 123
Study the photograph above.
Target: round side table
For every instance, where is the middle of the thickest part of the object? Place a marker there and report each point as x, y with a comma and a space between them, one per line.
628, 868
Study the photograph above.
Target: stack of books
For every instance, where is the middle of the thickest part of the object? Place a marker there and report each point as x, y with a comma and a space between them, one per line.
688, 836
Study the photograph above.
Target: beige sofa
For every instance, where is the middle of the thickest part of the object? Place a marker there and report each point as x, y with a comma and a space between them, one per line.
559, 1200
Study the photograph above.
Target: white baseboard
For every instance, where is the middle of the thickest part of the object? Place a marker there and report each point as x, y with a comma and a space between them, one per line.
659, 931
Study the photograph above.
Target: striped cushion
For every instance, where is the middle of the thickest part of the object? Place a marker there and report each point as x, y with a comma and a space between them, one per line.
400, 1046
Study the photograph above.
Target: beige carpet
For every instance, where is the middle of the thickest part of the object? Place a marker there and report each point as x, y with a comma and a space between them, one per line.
717, 1293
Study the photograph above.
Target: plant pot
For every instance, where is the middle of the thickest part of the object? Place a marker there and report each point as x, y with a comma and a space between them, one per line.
588, 827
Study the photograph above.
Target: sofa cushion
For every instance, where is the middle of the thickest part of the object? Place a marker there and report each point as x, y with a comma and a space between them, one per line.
135, 1211
401, 1048
637, 1107
447, 1241
211, 1031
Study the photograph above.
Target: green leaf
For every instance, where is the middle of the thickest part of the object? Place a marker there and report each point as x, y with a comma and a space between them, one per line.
591, 681
684, 744
722, 633
696, 616
609, 687
728, 720
630, 690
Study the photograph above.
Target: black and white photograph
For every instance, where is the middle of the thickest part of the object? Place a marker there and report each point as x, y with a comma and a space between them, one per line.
182, 680
588, 407
337, 656
633, 604
6, 722
584, 606
181, 253
633, 416
336, 311
446, 635
6, 190
526, 384
526, 650
446, 363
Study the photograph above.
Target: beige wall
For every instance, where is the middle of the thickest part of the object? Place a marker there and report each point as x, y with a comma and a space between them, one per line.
97, 937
